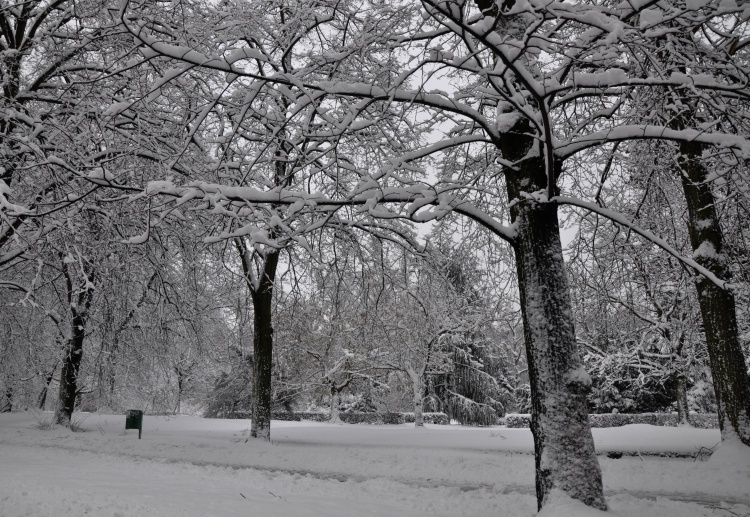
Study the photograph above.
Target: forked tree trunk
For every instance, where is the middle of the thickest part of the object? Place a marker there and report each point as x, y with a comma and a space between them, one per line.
79, 301
563, 444
66, 399
731, 383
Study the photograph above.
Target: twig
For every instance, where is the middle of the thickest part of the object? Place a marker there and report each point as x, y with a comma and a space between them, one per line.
725, 509
709, 449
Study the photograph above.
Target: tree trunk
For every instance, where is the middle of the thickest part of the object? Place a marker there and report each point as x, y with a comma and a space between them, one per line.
335, 399
563, 444
42, 400
68, 392
683, 411
730, 378
179, 390
262, 296
417, 384
7, 407
79, 302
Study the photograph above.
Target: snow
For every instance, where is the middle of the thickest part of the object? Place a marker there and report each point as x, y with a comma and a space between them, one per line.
696, 4
578, 376
706, 250
733, 453
610, 77
560, 505
651, 17
5, 193
244, 53
190, 466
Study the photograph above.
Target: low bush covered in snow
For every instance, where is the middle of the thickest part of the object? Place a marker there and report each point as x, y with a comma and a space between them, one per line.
701, 421
429, 418
350, 417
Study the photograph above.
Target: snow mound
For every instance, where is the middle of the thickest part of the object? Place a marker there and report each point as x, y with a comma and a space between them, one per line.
622, 505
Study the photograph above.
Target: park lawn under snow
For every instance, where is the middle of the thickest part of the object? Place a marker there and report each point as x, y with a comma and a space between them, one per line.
189, 466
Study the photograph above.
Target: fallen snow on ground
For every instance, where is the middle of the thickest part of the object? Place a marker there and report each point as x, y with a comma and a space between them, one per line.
188, 466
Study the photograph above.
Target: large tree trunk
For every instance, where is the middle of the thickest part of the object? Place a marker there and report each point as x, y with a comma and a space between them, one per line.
717, 305
79, 302
563, 444
262, 296
335, 417
68, 392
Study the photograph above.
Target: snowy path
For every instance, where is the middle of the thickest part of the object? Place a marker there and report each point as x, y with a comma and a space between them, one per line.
47, 481
189, 466
23, 459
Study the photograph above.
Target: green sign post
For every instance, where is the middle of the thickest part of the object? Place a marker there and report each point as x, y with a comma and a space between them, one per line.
134, 420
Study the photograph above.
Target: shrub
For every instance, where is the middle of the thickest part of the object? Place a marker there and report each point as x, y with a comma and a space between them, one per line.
429, 418
701, 421
348, 418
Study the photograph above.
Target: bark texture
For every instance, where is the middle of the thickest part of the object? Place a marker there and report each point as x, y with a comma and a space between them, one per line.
335, 417
69, 376
79, 303
563, 444
261, 291
42, 399
7, 406
731, 383
683, 410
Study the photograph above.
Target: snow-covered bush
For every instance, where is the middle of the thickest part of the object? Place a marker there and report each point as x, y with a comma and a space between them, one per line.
352, 417
700, 420
429, 418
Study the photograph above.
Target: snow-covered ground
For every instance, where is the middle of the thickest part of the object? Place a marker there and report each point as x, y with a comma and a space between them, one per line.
187, 466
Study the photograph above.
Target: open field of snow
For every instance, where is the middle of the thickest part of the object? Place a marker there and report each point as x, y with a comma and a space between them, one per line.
189, 466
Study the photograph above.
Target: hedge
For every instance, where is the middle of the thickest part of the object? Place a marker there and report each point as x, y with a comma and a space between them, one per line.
350, 418
698, 420
429, 418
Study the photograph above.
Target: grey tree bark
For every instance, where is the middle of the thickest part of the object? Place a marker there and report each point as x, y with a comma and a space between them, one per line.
417, 384
7, 406
563, 444
42, 399
718, 309
683, 410
335, 417
261, 292
79, 303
